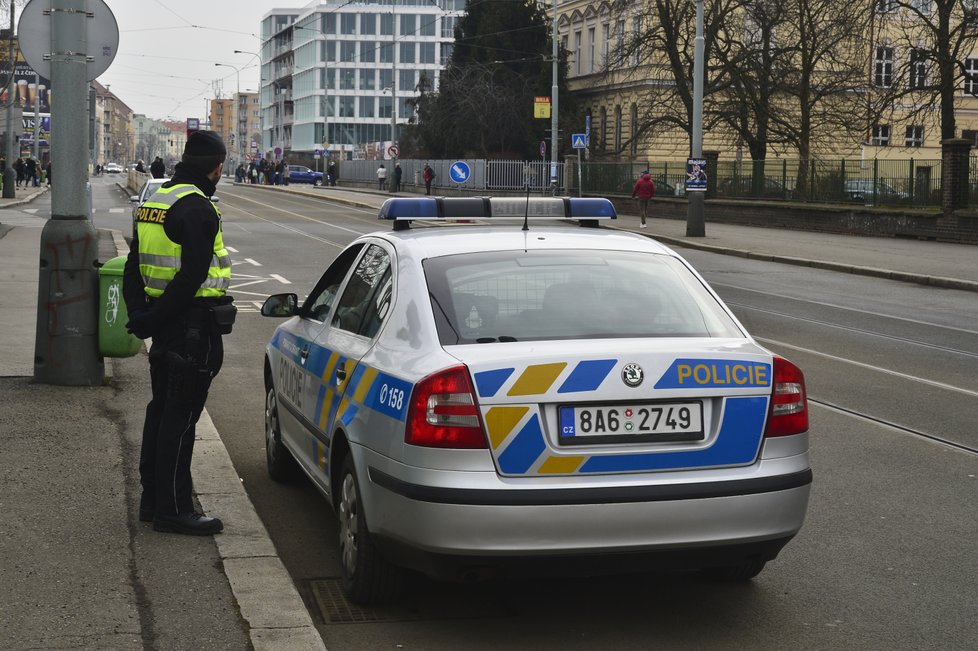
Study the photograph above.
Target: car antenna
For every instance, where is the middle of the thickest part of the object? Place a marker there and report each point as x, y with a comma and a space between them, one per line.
526, 212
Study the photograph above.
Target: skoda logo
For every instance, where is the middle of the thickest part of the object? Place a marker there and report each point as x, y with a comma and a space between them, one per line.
632, 375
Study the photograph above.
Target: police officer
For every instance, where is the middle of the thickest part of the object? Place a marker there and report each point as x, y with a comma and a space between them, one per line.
175, 283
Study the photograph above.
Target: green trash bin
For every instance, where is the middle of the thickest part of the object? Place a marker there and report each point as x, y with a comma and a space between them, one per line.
113, 338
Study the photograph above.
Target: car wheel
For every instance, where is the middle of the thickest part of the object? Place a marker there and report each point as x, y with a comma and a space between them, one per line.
743, 572
317, 182
281, 466
367, 576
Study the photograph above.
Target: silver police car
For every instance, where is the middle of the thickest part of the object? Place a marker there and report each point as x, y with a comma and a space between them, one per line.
502, 385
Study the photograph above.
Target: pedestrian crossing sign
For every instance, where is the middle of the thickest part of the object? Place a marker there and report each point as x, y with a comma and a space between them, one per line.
579, 141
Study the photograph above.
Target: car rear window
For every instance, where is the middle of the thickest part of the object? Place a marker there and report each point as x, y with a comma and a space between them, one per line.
504, 296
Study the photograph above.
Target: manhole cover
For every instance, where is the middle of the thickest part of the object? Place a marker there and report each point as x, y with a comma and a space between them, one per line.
336, 609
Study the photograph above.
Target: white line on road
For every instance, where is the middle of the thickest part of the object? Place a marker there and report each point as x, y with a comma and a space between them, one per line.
31, 210
250, 282
290, 228
280, 279
251, 261
295, 214
905, 376
117, 210
231, 249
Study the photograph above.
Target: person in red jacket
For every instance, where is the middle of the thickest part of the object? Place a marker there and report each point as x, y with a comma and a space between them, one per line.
643, 191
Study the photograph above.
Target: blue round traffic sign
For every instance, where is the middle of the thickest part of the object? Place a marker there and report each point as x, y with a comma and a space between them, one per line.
459, 171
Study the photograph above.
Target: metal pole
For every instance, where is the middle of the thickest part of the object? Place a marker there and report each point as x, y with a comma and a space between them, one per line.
695, 226
37, 117
66, 347
9, 176
554, 139
393, 83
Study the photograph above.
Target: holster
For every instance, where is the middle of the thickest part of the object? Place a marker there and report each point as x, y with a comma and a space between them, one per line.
185, 377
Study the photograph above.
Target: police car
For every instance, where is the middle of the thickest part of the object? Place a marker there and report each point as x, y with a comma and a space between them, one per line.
475, 397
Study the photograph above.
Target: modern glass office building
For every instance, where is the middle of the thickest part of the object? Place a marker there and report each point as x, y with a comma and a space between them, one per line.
339, 74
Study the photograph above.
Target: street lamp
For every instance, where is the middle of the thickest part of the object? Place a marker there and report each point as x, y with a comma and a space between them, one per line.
237, 98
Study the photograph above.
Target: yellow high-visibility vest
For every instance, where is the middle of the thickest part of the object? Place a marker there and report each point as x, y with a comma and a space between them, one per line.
159, 256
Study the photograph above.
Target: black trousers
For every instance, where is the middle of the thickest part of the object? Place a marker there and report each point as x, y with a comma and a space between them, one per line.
179, 394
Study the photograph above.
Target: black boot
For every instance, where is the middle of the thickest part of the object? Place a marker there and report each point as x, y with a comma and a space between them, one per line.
194, 524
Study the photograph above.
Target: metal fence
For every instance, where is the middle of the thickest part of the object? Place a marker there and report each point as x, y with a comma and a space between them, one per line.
872, 182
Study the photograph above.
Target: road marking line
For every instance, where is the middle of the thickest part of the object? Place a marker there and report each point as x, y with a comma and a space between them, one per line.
281, 280
905, 376
116, 210
290, 228
250, 282
295, 214
251, 261
231, 249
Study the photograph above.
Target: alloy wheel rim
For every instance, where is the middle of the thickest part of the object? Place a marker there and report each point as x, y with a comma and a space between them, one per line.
348, 524
271, 422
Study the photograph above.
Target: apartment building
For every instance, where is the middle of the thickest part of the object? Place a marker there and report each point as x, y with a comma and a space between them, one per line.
115, 140
888, 50
339, 75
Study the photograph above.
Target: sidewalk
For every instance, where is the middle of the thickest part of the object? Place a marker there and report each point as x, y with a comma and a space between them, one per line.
78, 568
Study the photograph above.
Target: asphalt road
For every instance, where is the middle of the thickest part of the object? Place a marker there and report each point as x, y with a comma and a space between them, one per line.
887, 558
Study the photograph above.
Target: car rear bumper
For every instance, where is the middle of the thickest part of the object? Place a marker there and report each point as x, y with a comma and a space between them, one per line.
450, 529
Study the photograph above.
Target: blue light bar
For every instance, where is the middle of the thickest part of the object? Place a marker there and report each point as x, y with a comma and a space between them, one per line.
494, 208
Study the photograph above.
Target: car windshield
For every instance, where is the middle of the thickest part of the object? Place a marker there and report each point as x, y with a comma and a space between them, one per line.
521, 296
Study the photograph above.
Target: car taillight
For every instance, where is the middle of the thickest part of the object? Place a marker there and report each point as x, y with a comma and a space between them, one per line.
443, 412
789, 404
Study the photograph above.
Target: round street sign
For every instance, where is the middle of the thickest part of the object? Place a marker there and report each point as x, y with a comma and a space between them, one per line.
543, 149
393, 151
459, 171
34, 34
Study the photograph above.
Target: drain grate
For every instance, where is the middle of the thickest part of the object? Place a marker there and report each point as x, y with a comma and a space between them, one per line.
334, 608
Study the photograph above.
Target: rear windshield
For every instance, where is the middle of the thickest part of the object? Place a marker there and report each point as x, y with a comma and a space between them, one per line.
525, 296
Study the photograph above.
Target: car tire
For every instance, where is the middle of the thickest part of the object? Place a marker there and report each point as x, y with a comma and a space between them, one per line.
317, 182
281, 465
368, 577
742, 572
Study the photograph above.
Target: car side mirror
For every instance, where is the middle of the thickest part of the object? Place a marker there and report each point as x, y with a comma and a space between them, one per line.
134, 198
215, 200
280, 305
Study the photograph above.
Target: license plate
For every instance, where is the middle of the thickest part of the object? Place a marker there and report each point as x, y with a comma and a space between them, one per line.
659, 421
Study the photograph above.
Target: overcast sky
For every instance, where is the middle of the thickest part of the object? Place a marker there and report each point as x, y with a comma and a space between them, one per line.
167, 51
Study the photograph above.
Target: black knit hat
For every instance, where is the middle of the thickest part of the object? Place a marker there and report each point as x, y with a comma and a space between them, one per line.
205, 143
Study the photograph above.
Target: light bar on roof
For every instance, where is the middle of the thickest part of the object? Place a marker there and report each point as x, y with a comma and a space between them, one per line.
509, 208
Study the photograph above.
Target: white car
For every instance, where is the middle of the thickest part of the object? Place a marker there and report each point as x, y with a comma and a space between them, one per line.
150, 186
113, 168
477, 398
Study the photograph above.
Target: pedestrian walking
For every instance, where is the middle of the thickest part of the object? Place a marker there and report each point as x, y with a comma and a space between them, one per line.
278, 173
47, 172
19, 168
428, 175
643, 191
140, 166
381, 177
30, 170
174, 284
332, 173
157, 168
397, 177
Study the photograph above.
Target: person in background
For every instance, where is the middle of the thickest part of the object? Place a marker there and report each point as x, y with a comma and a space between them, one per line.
428, 175
381, 177
19, 168
278, 173
47, 173
332, 173
397, 177
157, 168
285, 172
30, 170
175, 287
139, 166
643, 191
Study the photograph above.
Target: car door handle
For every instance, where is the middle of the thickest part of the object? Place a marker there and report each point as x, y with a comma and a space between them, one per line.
340, 374
304, 352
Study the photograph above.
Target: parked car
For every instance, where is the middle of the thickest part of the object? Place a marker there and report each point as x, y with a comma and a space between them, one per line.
744, 187
149, 187
872, 192
474, 401
113, 168
302, 174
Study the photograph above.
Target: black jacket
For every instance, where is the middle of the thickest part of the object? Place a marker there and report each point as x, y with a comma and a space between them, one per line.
157, 169
192, 223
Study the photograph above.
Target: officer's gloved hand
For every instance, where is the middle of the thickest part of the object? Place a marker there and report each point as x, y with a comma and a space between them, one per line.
141, 323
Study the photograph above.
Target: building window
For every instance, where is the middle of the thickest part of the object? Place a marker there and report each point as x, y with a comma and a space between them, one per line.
368, 52
971, 76
883, 67
617, 129
968, 134
329, 23
426, 52
886, 6
970, 8
428, 25
637, 35
577, 53
881, 135
386, 79
914, 137
328, 79
367, 107
407, 53
602, 128
405, 80
605, 42
448, 26
634, 122
446, 53
387, 24
918, 68
347, 107
348, 51
368, 24
590, 49
385, 108
923, 7
408, 24
368, 80
329, 51
348, 23
386, 52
